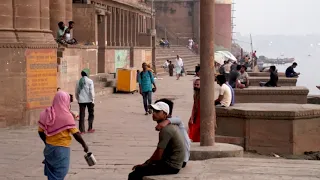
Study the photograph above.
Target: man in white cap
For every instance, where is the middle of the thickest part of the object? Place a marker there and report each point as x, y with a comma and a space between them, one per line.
168, 158
176, 121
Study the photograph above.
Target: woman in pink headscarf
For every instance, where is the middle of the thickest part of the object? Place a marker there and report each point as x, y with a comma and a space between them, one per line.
55, 126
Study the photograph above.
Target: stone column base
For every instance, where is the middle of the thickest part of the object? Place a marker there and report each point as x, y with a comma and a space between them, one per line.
219, 150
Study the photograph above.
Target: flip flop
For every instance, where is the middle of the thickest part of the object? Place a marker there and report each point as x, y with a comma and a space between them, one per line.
91, 131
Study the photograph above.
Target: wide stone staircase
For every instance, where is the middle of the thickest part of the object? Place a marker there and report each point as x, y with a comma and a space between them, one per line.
104, 83
190, 59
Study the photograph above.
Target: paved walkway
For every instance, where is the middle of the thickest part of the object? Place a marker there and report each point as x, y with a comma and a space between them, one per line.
124, 137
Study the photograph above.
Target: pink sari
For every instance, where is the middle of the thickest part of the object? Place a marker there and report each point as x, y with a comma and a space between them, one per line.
58, 117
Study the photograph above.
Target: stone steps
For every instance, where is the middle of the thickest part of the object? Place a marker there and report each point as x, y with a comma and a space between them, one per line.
104, 83
190, 59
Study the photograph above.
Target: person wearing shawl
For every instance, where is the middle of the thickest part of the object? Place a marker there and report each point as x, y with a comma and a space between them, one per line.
194, 121
178, 66
55, 126
85, 95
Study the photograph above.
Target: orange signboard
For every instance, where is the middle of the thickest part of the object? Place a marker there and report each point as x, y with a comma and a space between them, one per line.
41, 77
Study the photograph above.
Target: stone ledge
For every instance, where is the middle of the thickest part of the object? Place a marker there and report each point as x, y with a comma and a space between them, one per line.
293, 90
313, 99
29, 45
283, 81
245, 169
270, 111
219, 150
264, 74
272, 128
284, 94
77, 46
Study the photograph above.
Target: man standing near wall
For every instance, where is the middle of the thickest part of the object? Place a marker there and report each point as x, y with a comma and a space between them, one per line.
85, 96
146, 79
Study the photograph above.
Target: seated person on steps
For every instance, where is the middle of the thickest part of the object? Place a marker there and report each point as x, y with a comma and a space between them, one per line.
170, 153
176, 121
225, 94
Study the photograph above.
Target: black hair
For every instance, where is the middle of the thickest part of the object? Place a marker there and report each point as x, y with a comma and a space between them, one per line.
238, 67
83, 73
295, 64
167, 101
60, 23
273, 68
71, 22
245, 67
222, 79
197, 69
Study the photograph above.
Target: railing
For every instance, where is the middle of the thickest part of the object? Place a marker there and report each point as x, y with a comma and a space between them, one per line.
173, 37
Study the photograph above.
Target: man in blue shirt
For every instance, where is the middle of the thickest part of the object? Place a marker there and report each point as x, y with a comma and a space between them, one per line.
146, 79
290, 71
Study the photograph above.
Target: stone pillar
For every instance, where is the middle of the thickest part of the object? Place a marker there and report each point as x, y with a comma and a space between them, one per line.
136, 29
130, 28
127, 25
101, 43
123, 19
118, 25
196, 21
24, 18
69, 11
26, 42
102, 31
44, 15
114, 25
109, 26
207, 111
6, 22
57, 14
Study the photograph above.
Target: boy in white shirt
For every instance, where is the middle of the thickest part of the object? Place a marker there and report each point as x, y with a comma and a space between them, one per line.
225, 94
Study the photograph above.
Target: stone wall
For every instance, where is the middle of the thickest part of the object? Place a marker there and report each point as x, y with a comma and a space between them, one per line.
70, 63
28, 78
141, 55
182, 19
177, 18
84, 15
272, 128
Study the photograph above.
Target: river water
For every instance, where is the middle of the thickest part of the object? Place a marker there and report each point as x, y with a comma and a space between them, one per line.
309, 69
305, 50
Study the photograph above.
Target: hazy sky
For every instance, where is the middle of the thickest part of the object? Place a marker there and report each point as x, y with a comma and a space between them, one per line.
277, 16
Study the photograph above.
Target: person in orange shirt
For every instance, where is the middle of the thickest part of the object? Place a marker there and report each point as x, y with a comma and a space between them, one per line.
55, 126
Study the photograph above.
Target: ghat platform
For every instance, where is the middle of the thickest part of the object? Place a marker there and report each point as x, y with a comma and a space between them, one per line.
272, 128
283, 81
264, 74
284, 94
245, 169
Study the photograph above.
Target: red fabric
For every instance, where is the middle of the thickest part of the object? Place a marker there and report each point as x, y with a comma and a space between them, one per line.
194, 129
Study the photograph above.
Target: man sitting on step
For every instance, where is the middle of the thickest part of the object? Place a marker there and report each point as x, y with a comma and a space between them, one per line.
169, 155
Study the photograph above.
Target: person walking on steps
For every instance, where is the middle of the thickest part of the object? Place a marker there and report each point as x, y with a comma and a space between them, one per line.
146, 80
85, 96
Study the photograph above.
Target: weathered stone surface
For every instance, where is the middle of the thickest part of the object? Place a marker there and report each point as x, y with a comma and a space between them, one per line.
219, 150
285, 94
264, 74
124, 137
246, 168
283, 81
272, 128
313, 99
